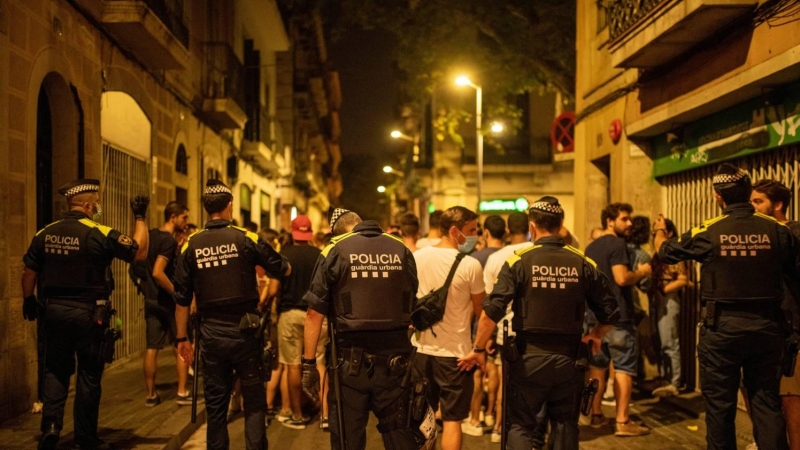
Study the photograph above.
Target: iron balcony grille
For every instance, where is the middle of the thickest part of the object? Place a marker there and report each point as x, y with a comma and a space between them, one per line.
170, 12
622, 15
223, 74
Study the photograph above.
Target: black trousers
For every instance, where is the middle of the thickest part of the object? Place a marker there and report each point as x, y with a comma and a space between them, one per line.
70, 332
752, 346
540, 380
223, 350
371, 390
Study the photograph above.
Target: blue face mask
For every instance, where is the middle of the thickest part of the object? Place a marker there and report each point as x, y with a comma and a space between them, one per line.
469, 244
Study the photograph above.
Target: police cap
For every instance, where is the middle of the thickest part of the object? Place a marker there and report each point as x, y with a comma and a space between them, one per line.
334, 214
729, 174
216, 187
79, 186
549, 205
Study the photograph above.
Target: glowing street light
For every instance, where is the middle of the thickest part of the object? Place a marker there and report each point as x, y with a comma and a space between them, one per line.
497, 127
465, 81
396, 134
381, 189
387, 169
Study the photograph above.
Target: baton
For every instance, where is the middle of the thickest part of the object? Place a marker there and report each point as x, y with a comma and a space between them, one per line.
196, 378
504, 402
337, 387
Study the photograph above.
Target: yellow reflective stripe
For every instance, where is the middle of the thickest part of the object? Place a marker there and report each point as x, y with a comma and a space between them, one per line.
336, 240
47, 226
764, 216
253, 237
186, 244
581, 254
513, 259
518, 253
394, 237
705, 225
92, 224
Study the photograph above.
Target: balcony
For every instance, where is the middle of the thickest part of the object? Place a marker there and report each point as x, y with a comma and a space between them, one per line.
258, 146
153, 30
223, 86
652, 33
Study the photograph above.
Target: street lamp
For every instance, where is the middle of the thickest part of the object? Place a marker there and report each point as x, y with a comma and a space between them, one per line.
381, 189
390, 169
464, 81
497, 127
414, 140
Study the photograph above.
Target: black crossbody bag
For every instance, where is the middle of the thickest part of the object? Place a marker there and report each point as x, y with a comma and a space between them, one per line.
429, 310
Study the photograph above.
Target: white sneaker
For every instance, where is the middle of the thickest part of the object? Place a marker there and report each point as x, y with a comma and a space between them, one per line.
472, 430
489, 421
665, 391
283, 416
609, 401
496, 437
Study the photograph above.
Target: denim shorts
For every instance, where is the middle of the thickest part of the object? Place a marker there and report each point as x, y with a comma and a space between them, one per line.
621, 346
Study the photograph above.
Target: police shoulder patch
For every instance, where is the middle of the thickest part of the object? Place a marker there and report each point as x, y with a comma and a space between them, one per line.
125, 240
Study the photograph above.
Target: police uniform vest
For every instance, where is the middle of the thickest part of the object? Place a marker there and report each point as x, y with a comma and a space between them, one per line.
222, 276
554, 290
69, 271
372, 294
745, 262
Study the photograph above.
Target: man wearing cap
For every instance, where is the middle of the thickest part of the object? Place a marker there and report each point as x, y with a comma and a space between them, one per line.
365, 282
741, 252
292, 315
217, 264
71, 259
550, 285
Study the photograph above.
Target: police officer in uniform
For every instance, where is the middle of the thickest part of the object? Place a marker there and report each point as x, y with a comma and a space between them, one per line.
550, 284
218, 265
742, 252
71, 259
365, 281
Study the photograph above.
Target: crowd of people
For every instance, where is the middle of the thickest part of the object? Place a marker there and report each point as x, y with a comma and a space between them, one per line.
627, 310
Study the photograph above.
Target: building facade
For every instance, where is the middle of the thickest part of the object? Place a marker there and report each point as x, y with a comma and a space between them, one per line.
151, 97
668, 89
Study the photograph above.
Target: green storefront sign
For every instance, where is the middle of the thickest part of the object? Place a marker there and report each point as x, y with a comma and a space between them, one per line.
519, 204
749, 127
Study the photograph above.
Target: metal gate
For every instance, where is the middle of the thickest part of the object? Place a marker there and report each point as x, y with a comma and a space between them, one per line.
124, 176
689, 201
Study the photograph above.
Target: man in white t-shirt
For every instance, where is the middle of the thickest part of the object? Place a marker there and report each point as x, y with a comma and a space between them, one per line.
439, 347
434, 234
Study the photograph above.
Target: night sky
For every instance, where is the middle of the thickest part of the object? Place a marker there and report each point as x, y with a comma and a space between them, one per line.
369, 104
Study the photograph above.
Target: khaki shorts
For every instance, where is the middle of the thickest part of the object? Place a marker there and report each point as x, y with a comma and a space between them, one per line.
791, 386
290, 338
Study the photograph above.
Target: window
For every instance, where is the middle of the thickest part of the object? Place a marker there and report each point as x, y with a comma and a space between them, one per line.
181, 161
266, 204
245, 202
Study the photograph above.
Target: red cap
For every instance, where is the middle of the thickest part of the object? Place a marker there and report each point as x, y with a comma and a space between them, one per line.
301, 229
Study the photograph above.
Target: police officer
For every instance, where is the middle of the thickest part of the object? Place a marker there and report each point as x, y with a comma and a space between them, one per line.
741, 253
218, 265
550, 284
365, 281
71, 259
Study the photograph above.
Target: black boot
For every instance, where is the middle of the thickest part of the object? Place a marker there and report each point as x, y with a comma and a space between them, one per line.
49, 439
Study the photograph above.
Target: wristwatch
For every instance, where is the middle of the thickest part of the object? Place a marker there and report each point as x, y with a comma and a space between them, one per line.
479, 350
183, 339
310, 362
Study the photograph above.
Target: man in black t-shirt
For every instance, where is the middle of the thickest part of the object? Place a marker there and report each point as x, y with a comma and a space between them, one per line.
159, 307
610, 253
292, 315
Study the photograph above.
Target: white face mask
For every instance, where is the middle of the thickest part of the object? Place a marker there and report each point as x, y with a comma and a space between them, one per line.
98, 212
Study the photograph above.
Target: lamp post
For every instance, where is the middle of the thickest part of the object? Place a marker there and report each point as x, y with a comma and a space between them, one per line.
414, 140
464, 81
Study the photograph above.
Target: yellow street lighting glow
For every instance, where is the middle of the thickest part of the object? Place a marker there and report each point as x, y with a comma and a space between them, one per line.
387, 169
396, 134
497, 127
463, 81
381, 189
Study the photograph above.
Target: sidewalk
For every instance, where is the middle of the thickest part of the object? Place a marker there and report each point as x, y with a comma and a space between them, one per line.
124, 419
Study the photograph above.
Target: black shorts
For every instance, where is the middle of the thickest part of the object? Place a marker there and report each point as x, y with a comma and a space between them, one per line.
448, 386
160, 324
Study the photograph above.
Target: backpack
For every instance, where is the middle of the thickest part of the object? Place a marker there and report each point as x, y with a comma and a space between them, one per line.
429, 310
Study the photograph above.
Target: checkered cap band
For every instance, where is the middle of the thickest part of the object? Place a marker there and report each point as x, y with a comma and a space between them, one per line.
547, 207
338, 212
80, 189
726, 178
218, 189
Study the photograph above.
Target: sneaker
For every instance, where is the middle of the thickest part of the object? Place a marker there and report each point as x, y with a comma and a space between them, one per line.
496, 437
283, 416
609, 401
665, 391
296, 424
150, 402
631, 428
185, 400
598, 421
489, 421
472, 430
324, 425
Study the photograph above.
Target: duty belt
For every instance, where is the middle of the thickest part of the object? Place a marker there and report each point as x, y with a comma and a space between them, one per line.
558, 344
396, 363
86, 304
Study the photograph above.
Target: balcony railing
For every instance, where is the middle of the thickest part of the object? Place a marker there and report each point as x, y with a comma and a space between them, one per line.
258, 127
170, 12
623, 14
223, 75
